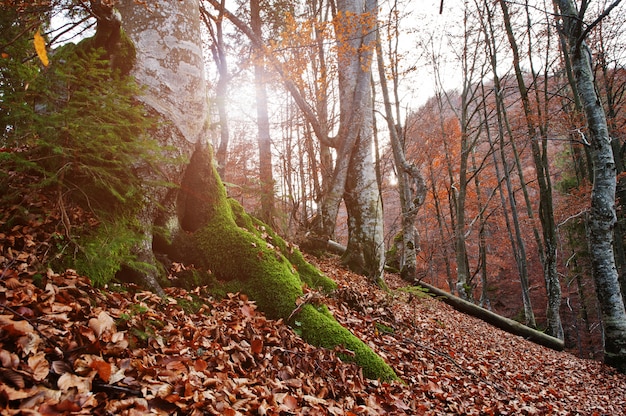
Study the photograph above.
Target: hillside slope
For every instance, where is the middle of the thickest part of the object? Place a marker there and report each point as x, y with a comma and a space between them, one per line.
67, 348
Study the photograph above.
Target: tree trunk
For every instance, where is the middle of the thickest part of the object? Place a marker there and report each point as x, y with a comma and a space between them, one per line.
221, 88
354, 27
208, 227
266, 179
354, 177
496, 320
602, 216
517, 242
410, 199
546, 211
171, 71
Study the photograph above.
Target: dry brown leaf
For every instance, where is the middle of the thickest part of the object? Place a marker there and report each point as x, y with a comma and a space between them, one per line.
133, 403
39, 366
12, 394
102, 368
9, 359
69, 381
29, 343
60, 367
103, 323
256, 346
12, 377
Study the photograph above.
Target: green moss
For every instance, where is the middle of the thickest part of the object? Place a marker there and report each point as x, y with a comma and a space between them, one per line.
233, 253
192, 304
250, 258
321, 329
308, 273
106, 249
417, 291
384, 328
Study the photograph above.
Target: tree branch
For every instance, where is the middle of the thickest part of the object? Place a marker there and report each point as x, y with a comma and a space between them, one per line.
258, 44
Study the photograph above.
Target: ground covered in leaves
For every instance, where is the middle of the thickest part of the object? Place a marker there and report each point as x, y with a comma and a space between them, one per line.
69, 348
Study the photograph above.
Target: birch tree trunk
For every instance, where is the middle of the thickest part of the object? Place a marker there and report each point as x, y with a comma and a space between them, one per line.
355, 176
602, 217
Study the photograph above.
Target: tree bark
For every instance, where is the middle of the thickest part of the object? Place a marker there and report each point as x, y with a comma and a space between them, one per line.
266, 178
494, 319
602, 217
209, 227
354, 178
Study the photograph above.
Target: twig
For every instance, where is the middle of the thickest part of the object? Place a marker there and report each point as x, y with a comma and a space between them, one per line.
50, 341
311, 297
111, 388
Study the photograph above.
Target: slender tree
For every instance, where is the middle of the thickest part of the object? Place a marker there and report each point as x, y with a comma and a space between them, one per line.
546, 210
266, 177
215, 26
411, 185
602, 217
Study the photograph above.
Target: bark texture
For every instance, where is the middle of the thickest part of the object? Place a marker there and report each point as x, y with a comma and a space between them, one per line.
206, 226
602, 217
354, 177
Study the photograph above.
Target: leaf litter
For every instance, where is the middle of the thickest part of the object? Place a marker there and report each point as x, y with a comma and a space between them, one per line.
69, 348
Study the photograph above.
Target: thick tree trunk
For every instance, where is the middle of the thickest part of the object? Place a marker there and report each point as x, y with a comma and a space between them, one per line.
602, 216
171, 70
354, 177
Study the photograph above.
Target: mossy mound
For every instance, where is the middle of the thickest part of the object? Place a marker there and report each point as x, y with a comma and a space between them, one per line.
249, 257
233, 253
320, 328
308, 273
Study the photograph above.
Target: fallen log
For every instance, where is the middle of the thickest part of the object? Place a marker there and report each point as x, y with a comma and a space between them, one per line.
494, 319
469, 308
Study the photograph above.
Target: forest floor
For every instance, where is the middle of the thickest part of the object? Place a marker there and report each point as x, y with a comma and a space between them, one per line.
69, 348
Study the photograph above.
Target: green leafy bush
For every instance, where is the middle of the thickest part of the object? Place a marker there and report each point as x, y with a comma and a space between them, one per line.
79, 129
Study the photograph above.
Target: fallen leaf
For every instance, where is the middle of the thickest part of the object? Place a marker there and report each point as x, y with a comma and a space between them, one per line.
256, 346
68, 381
103, 369
39, 366
103, 323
